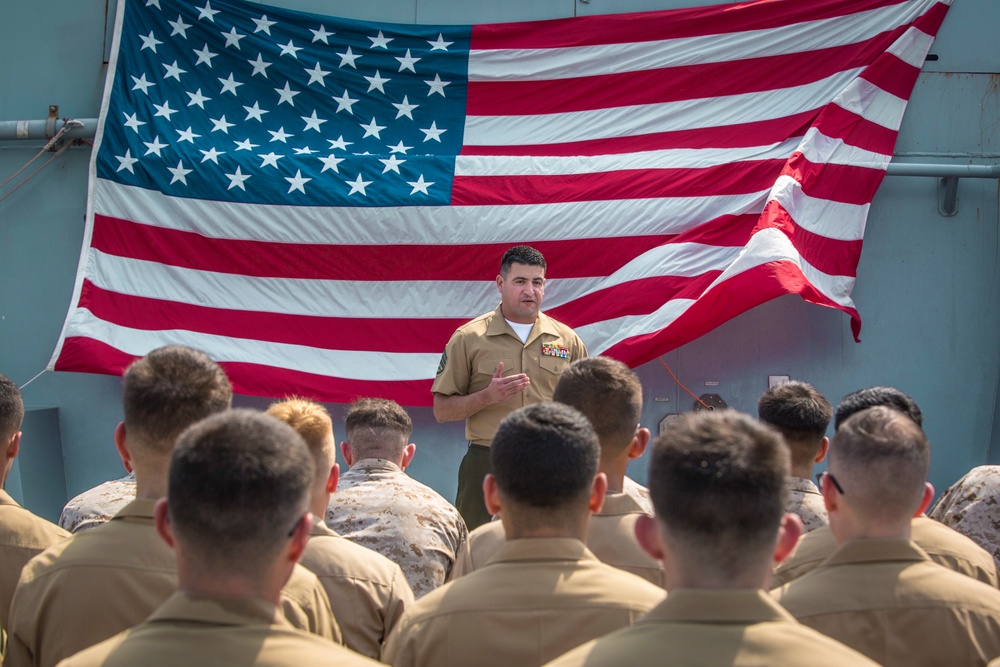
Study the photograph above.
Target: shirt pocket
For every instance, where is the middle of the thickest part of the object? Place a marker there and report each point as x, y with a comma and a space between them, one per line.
489, 366
554, 365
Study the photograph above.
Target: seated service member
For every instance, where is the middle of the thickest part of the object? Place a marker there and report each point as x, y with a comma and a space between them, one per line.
100, 582
879, 592
544, 592
498, 362
972, 507
95, 507
368, 592
22, 534
944, 545
237, 517
379, 506
609, 395
801, 414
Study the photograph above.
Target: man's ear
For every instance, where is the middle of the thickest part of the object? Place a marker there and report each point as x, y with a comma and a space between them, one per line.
331, 481
597, 492
161, 519
925, 501
639, 442
491, 494
500, 283
345, 451
300, 537
831, 497
13, 446
408, 453
121, 445
824, 447
789, 532
648, 535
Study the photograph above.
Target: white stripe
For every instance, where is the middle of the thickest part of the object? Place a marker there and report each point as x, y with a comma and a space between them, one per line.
872, 103
821, 149
459, 225
629, 121
572, 62
912, 47
835, 220
349, 364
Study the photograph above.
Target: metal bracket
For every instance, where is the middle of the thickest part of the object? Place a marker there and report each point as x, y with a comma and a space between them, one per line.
50, 123
948, 196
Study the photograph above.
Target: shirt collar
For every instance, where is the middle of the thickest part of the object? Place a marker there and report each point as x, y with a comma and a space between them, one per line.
140, 508
542, 549
320, 529
375, 465
803, 485
718, 606
543, 325
619, 503
216, 610
5, 499
876, 551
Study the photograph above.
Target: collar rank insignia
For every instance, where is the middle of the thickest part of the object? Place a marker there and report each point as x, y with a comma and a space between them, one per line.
555, 350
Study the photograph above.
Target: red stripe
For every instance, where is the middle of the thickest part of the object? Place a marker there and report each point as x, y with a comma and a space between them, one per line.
85, 355
892, 75
727, 179
703, 81
654, 26
843, 183
837, 122
831, 256
740, 135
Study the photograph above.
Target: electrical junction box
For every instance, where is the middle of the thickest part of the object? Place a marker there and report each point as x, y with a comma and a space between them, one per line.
671, 418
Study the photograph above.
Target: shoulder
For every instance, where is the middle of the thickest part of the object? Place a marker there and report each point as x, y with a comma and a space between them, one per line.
20, 528
335, 555
475, 327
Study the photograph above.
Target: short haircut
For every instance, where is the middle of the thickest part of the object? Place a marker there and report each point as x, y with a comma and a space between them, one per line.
718, 485
166, 391
545, 455
521, 254
609, 394
863, 399
800, 413
238, 481
11, 407
377, 428
881, 458
313, 423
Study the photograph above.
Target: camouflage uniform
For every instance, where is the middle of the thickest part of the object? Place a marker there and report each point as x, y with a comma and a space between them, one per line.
805, 500
96, 506
639, 494
972, 507
379, 506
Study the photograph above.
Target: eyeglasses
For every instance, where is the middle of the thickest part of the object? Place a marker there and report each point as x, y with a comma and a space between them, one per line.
836, 484
296, 525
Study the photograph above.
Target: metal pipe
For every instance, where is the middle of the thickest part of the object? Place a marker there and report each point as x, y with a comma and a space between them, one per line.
944, 170
77, 128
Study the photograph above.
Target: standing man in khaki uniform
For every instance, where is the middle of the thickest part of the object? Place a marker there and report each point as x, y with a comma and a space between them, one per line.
544, 592
100, 582
718, 482
879, 592
368, 592
237, 517
497, 363
22, 534
609, 395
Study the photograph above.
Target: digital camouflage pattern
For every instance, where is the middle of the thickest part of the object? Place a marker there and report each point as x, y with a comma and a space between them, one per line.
96, 506
379, 506
639, 493
805, 500
972, 507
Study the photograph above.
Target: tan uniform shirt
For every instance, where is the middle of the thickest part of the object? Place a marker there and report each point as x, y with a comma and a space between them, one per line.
610, 536
470, 359
535, 600
203, 631
22, 536
888, 600
368, 592
379, 506
805, 500
736, 628
944, 546
100, 582
972, 507
96, 506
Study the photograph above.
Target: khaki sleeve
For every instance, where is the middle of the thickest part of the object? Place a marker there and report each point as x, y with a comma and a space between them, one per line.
400, 600
453, 373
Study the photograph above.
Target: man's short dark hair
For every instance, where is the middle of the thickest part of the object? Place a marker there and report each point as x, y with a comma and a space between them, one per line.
166, 391
545, 455
238, 481
11, 407
609, 394
863, 399
377, 428
718, 484
521, 254
800, 413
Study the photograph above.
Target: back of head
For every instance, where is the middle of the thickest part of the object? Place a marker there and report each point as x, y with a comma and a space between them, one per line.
868, 398
608, 393
718, 484
801, 414
11, 408
166, 391
545, 458
521, 254
312, 422
239, 481
378, 428
881, 458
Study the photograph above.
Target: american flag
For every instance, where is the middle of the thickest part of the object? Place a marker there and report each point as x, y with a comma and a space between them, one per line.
319, 202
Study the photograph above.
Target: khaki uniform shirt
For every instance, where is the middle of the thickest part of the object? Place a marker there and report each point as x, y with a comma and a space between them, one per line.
470, 359
22, 536
639, 494
972, 507
96, 506
379, 506
204, 631
944, 546
888, 600
100, 582
737, 628
610, 536
534, 601
805, 500
368, 592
